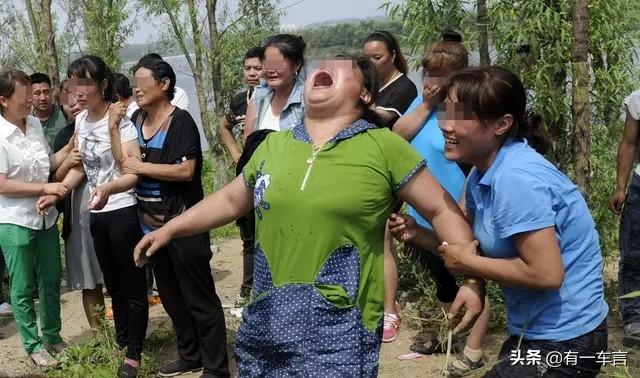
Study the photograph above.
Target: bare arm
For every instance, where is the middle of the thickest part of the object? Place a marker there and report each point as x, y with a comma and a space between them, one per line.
410, 124
225, 130
437, 207
117, 111
626, 154
182, 172
539, 265
74, 177
229, 203
56, 160
131, 149
250, 122
16, 188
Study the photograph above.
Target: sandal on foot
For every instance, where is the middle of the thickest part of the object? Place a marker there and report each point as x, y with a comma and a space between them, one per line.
463, 365
43, 359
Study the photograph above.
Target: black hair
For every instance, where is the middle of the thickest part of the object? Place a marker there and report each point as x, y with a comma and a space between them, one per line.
38, 77
160, 70
493, 92
94, 68
290, 46
254, 52
450, 35
121, 86
250, 146
150, 56
8, 82
392, 45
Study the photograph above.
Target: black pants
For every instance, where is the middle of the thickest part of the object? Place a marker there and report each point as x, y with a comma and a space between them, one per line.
585, 350
115, 235
446, 286
247, 227
188, 294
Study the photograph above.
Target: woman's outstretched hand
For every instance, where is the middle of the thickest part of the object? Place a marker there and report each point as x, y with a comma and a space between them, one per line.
403, 227
149, 245
470, 297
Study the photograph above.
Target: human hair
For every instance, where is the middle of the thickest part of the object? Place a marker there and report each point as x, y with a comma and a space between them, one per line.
491, 92
254, 52
94, 68
63, 87
392, 45
445, 55
121, 86
160, 70
369, 81
39, 77
290, 46
8, 82
150, 56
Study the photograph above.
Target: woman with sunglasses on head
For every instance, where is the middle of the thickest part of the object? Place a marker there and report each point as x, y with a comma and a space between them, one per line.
533, 225
322, 193
28, 232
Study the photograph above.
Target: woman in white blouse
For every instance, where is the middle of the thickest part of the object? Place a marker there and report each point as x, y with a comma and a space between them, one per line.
28, 235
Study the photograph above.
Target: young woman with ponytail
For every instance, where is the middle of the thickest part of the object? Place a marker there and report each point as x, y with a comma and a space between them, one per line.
537, 236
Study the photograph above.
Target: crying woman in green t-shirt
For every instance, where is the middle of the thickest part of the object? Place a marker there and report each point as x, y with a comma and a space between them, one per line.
322, 193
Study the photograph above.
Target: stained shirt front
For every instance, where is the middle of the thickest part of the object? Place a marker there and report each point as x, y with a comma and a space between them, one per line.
317, 299
24, 157
521, 192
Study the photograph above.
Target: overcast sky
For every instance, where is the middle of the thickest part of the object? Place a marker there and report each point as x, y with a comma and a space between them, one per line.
297, 12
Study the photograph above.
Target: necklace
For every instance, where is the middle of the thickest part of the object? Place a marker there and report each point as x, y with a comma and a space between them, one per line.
315, 150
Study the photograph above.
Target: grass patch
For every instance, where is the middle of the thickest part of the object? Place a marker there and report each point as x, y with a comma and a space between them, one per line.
101, 356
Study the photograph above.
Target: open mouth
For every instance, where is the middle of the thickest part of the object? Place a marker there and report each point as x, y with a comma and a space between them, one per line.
322, 79
450, 141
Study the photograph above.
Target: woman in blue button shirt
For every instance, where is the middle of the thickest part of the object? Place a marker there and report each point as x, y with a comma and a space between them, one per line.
532, 223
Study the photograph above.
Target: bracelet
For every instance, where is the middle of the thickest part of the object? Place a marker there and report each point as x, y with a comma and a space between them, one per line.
471, 281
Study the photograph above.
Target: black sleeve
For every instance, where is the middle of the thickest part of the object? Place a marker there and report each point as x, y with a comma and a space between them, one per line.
237, 107
398, 99
184, 138
63, 137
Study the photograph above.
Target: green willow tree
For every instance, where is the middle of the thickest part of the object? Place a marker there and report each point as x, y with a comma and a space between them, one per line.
535, 38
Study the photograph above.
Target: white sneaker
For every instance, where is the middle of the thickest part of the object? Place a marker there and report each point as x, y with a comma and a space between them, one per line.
5, 309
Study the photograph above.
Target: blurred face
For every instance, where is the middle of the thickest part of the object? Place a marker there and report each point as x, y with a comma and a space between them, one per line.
381, 57
252, 70
18, 105
279, 72
335, 85
70, 106
42, 97
148, 91
87, 92
467, 140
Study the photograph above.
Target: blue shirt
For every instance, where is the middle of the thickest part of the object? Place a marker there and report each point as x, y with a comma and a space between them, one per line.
521, 192
292, 114
429, 142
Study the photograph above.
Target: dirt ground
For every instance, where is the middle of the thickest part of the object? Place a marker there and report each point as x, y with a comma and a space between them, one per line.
227, 269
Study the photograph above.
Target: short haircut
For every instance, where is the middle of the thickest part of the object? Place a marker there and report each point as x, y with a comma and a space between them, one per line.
159, 70
254, 52
39, 77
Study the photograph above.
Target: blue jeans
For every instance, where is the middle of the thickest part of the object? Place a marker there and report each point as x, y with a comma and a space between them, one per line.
629, 270
586, 346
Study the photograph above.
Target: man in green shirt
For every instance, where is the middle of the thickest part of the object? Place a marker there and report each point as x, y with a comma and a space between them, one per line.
50, 115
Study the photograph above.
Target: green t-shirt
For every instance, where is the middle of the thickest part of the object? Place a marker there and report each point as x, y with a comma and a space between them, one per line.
348, 194
53, 125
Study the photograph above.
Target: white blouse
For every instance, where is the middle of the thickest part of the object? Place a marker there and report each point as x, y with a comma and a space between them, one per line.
24, 157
